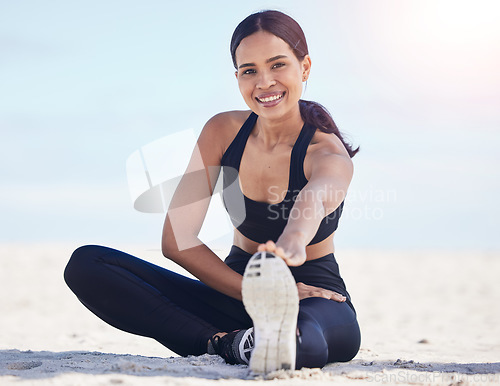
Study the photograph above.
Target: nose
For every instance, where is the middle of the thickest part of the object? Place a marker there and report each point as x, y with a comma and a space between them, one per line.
265, 80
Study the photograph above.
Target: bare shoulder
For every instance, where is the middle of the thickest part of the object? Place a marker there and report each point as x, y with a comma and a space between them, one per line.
219, 132
223, 127
327, 143
226, 122
327, 151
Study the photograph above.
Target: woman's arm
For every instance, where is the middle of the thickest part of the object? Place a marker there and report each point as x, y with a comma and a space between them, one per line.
331, 171
188, 208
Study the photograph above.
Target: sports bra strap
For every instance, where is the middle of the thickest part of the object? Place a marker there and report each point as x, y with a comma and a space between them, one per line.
299, 151
234, 153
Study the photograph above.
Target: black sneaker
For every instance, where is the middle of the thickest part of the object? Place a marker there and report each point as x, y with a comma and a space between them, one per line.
235, 347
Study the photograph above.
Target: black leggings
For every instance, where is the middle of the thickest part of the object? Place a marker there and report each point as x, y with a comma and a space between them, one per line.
182, 314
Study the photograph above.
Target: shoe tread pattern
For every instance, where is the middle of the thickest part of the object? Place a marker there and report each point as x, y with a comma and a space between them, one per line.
271, 299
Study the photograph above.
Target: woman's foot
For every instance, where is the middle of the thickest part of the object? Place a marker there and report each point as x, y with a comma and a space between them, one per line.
271, 299
235, 347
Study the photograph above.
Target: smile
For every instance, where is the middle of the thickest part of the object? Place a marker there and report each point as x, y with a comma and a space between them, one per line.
270, 98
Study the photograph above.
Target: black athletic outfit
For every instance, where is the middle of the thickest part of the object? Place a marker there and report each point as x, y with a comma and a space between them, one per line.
182, 314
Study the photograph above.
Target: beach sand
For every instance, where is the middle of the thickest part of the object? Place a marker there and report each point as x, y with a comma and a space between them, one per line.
426, 318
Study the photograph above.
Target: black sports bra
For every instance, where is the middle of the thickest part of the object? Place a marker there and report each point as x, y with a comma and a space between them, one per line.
261, 221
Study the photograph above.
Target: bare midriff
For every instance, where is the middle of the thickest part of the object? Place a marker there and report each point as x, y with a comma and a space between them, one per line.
313, 252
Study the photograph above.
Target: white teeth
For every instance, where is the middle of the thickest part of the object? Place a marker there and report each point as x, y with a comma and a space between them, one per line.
271, 98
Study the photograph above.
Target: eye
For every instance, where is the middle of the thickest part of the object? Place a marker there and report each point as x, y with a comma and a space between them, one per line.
248, 72
278, 65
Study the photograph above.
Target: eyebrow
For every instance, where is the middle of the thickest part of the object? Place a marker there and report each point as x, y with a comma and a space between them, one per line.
267, 61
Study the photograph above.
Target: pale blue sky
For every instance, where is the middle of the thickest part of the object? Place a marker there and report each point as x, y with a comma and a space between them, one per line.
415, 83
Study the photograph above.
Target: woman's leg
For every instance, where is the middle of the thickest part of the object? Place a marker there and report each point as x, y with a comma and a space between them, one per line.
144, 299
329, 332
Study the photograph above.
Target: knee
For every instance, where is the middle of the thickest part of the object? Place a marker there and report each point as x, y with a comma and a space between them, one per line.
78, 264
344, 342
312, 348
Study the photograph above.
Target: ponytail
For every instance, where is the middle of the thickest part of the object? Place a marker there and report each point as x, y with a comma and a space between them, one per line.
288, 30
316, 115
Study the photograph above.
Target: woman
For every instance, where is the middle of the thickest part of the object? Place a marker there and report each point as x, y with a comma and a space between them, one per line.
286, 170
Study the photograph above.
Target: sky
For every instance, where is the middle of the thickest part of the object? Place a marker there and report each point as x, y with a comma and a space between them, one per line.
85, 84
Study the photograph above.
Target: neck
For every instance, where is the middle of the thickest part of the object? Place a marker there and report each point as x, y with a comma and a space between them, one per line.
285, 129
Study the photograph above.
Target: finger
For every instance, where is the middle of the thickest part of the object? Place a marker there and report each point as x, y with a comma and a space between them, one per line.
288, 259
271, 247
282, 253
331, 296
319, 294
266, 247
338, 297
295, 260
292, 262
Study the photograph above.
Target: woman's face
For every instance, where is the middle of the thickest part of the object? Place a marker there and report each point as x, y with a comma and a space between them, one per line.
269, 75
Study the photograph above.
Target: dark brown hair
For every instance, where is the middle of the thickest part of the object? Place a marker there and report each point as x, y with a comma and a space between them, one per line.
287, 29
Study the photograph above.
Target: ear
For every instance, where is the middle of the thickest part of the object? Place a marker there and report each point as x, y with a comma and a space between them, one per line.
236, 74
306, 67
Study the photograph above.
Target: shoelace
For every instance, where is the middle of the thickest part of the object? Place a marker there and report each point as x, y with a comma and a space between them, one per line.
223, 347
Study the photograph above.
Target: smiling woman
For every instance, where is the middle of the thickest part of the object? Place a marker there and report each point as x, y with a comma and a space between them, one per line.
292, 61
278, 300
270, 81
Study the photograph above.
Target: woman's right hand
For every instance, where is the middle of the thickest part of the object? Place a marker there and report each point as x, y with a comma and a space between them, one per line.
309, 291
293, 251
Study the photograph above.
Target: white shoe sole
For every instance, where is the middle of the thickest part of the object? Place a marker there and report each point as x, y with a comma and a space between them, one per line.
271, 299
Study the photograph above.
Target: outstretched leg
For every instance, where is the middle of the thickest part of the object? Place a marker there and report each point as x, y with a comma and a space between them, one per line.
270, 296
328, 330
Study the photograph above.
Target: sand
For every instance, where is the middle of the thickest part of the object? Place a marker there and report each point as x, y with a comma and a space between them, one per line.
426, 318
